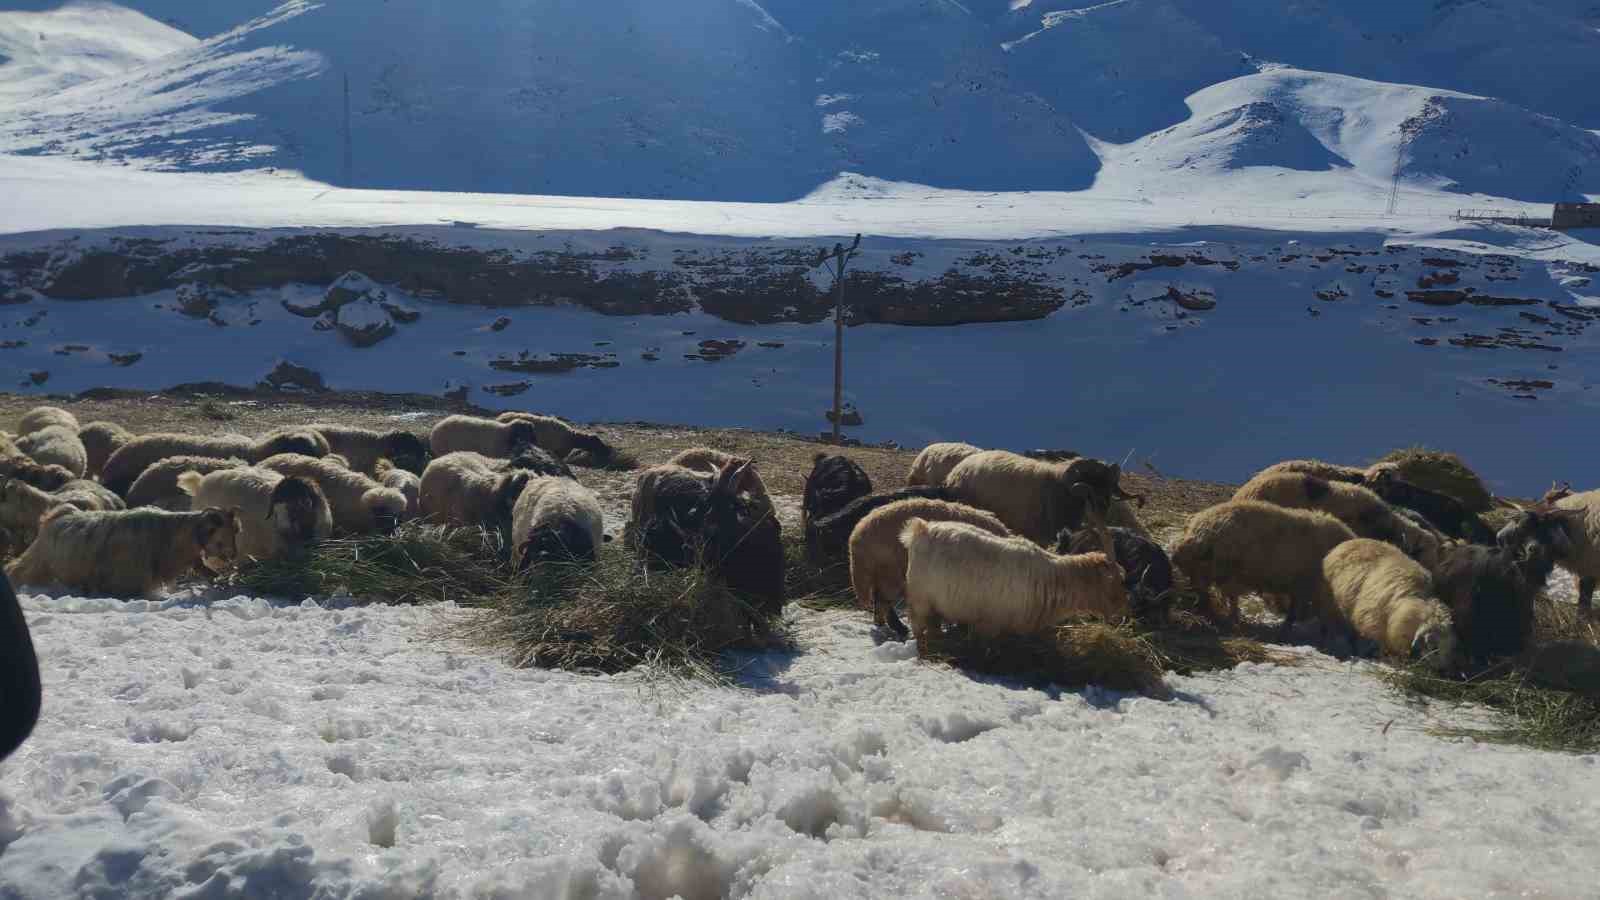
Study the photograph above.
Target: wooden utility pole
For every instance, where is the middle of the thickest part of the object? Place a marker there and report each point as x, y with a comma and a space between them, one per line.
840, 256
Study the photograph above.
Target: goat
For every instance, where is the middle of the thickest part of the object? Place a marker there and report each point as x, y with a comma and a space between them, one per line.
834, 482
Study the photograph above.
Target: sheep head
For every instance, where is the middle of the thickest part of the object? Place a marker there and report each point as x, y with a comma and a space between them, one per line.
1435, 643
407, 451
1541, 525
295, 506
564, 541
216, 536
743, 541
523, 434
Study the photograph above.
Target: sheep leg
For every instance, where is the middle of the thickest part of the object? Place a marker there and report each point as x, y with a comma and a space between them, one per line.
893, 621
1586, 592
924, 628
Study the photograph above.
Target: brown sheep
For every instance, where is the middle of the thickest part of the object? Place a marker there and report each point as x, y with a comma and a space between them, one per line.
362, 448
1365, 512
878, 558
1035, 499
1317, 468
43, 477
100, 440
408, 483
157, 485
127, 553
125, 465
935, 462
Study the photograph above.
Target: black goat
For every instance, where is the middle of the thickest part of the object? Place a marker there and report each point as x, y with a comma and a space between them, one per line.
1491, 590
1442, 511
736, 535
537, 461
834, 482
829, 538
1147, 571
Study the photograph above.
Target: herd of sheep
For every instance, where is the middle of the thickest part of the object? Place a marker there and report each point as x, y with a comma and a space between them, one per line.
1000, 542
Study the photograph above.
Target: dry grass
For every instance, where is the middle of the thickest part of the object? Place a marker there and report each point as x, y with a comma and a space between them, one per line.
1444, 472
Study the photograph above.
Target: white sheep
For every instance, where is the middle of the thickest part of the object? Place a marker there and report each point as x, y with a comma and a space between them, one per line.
497, 440
360, 504
559, 438
100, 440
555, 519
467, 488
878, 558
936, 460
157, 485
126, 464
125, 553
362, 448
1376, 592
41, 417
959, 573
278, 515
56, 445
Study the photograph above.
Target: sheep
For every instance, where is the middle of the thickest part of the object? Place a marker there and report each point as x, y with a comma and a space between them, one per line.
1035, 499
1359, 508
1317, 468
278, 515
43, 477
829, 538
22, 506
960, 573
126, 553
409, 484
710, 462
935, 462
497, 440
157, 485
464, 488
559, 438
363, 447
1147, 566
1372, 590
878, 558
537, 462
125, 465
56, 445
360, 505
100, 440
1246, 545
555, 519
42, 417
1441, 511
834, 482
89, 496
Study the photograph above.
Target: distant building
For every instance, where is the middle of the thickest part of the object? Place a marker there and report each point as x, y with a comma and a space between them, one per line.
1576, 215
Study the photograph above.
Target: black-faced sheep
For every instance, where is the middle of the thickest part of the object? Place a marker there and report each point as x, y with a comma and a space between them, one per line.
56, 445
42, 417
559, 438
100, 440
1035, 499
363, 447
1442, 512
125, 465
43, 477
279, 515
496, 440
157, 485
1365, 512
829, 538
1245, 545
409, 484
834, 482
935, 462
1372, 590
555, 520
1148, 569
878, 558
127, 553
360, 505
1002, 585
467, 488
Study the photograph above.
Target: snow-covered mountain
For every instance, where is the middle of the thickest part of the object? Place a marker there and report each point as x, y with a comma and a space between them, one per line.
748, 100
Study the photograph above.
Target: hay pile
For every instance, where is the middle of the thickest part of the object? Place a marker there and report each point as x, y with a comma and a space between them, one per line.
1443, 472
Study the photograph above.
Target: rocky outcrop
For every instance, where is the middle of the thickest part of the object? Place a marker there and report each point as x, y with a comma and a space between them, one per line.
286, 376
363, 323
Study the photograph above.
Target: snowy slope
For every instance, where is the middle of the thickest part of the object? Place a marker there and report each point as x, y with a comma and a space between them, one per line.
43, 53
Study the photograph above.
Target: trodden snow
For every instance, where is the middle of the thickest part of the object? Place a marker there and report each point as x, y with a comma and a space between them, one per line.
241, 748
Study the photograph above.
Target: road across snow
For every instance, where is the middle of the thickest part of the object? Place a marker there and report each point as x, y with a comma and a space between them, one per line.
245, 749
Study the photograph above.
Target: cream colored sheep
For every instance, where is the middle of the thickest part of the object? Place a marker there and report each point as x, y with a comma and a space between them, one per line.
497, 440
555, 519
1365, 512
157, 485
56, 445
1374, 590
960, 573
1245, 545
279, 515
409, 484
559, 438
1315, 467
100, 440
362, 448
878, 558
126, 464
89, 496
360, 504
42, 417
126, 553
464, 488
1035, 499
22, 505
935, 462
43, 477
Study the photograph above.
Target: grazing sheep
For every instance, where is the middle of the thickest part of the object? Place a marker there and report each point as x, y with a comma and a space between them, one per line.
559, 438
43, 477
1245, 545
830, 537
465, 488
363, 447
1315, 468
878, 558
125, 465
496, 440
935, 462
1372, 590
1148, 569
42, 417
1365, 512
22, 506
360, 505
960, 573
1035, 499
278, 515
157, 485
1442, 512
125, 553
89, 496
710, 462
555, 519
56, 445
100, 440
409, 484
834, 482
